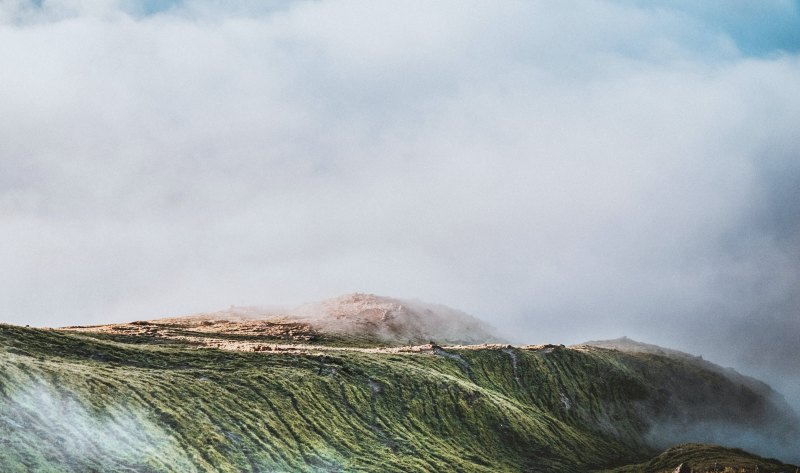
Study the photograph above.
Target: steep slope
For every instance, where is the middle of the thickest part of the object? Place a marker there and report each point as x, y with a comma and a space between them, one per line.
722, 396
83, 401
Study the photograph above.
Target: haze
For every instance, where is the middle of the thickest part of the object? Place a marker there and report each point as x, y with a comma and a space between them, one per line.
563, 170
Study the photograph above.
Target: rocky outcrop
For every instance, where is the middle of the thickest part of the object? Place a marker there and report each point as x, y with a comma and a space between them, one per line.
395, 320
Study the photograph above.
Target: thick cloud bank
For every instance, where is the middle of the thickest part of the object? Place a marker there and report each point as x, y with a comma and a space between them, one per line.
564, 170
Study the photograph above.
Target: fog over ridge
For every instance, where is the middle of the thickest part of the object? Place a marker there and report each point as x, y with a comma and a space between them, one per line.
566, 172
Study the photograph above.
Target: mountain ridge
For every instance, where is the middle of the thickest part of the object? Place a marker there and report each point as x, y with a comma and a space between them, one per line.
216, 393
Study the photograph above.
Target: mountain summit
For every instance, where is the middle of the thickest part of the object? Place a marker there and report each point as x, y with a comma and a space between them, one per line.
352, 318
395, 320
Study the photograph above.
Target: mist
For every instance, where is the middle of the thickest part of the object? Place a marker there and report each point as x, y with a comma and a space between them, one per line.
64, 426
565, 172
765, 444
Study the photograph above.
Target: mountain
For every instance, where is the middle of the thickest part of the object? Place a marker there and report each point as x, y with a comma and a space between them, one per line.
353, 319
247, 390
395, 320
691, 411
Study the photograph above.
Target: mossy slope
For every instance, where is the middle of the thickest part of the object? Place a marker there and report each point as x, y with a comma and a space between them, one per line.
71, 402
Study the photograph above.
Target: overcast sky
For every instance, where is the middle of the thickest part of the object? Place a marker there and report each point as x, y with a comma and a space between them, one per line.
563, 170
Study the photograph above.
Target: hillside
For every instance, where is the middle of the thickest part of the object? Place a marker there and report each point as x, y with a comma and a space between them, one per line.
152, 396
700, 458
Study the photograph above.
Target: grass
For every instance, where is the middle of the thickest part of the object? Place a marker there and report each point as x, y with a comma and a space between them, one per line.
78, 402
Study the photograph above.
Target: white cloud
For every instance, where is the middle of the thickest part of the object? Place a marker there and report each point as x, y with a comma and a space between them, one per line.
566, 171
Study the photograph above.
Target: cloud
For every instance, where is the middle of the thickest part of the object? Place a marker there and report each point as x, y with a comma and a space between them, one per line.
566, 172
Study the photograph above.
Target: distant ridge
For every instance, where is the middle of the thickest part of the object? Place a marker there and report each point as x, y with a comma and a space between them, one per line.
627, 344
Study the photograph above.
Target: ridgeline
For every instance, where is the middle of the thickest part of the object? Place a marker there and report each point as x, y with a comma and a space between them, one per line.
183, 396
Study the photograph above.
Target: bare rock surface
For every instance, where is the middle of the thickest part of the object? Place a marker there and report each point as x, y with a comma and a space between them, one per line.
382, 319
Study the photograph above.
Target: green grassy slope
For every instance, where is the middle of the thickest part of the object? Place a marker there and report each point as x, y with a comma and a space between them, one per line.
73, 402
708, 459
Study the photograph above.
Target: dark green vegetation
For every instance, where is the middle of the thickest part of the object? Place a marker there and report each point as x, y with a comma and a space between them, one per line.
707, 459
77, 402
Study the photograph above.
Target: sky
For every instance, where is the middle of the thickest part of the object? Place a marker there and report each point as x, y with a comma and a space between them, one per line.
565, 171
